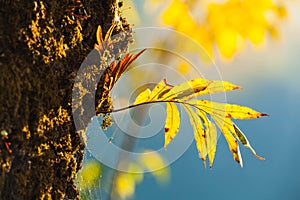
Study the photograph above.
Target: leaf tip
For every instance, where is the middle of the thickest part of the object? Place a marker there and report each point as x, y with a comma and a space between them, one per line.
237, 87
240, 163
165, 81
259, 157
139, 53
204, 163
143, 50
166, 144
99, 35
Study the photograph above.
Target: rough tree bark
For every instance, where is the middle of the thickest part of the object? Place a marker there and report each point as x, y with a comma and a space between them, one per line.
42, 45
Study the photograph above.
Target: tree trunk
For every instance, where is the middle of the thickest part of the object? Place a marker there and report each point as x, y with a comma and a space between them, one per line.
42, 45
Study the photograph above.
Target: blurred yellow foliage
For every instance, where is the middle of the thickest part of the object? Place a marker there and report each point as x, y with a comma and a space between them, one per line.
125, 185
125, 182
155, 164
227, 25
136, 172
183, 68
151, 161
89, 175
179, 17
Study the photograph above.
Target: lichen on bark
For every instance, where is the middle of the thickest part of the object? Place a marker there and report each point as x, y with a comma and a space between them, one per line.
42, 45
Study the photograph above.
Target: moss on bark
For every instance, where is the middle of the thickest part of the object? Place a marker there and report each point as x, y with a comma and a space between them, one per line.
42, 45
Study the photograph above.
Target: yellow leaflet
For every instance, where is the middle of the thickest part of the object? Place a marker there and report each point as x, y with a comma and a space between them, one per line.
203, 117
231, 141
199, 133
186, 89
242, 138
227, 110
241, 112
160, 89
220, 86
172, 122
211, 136
230, 126
211, 143
142, 97
213, 87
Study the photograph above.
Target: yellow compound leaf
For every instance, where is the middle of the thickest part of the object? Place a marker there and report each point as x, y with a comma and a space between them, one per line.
205, 131
172, 122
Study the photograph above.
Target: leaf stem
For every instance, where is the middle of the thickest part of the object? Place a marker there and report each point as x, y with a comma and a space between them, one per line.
146, 103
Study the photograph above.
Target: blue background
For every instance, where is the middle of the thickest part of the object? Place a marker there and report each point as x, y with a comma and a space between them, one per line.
271, 81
